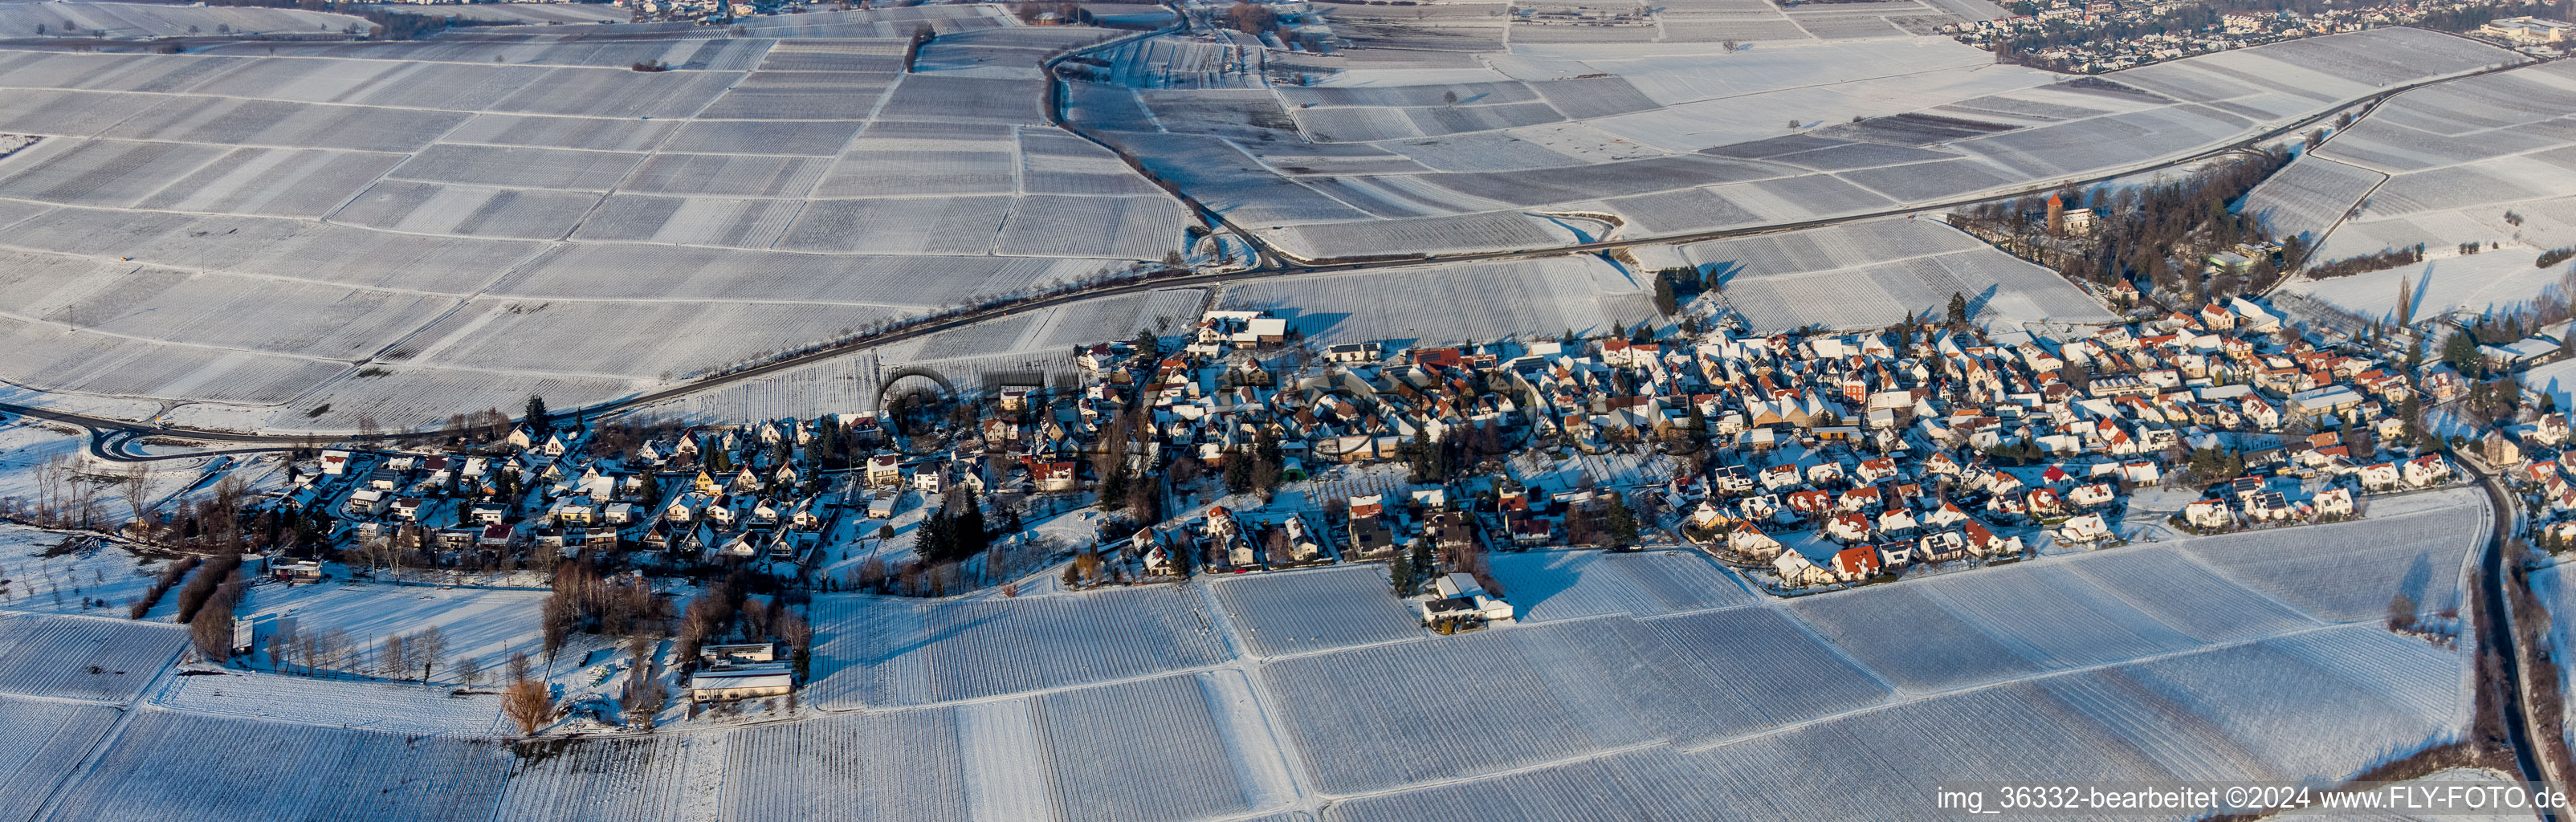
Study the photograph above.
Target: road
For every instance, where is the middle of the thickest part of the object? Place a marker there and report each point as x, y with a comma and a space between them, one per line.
107, 446
2496, 632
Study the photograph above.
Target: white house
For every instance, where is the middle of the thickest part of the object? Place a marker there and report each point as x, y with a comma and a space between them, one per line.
2084, 528
2208, 513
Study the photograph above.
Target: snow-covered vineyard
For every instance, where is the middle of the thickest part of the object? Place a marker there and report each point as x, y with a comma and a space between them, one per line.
1643, 685
1494, 148
253, 224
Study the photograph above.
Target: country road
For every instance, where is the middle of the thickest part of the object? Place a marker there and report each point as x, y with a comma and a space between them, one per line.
2496, 632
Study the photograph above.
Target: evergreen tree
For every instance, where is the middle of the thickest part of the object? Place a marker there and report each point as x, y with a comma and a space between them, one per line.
2461, 352
1622, 522
935, 539
537, 414
1422, 567
970, 532
1664, 299
719, 464
1400, 574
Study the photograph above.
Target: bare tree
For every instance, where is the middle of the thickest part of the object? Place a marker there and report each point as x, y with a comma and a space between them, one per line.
136, 482
213, 627
525, 702
393, 658
469, 671
427, 647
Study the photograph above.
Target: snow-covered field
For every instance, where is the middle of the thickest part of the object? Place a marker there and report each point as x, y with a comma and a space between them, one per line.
1501, 146
138, 20
1869, 275
473, 219
1646, 684
2470, 284
2483, 160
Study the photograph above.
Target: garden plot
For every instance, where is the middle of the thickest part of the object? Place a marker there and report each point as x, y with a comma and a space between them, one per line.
719, 221
157, 769
1577, 695
518, 167
968, 99
885, 173
2350, 572
1935, 650
204, 307
68, 113
562, 337
407, 397
618, 93
1228, 181
2187, 595
52, 358
647, 779
890, 653
391, 707
838, 767
835, 55
594, 133
1570, 584
1485, 301
486, 625
1138, 228
274, 182
458, 87
1753, 669
1928, 182
1647, 785
1324, 241
694, 274
432, 208
898, 225
1867, 274
2310, 196
236, 121
816, 101
1297, 612
346, 255
2312, 721
2048, 613
80, 657
98, 172
49, 740
1244, 114
820, 138
1688, 209
735, 175
1099, 746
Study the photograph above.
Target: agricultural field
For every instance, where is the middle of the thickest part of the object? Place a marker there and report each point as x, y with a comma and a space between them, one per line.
244, 225
1274, 612
2464, 285
1574, 584
1501, 140
1651, 684
2458, 158
142, 20
895, 653
1871, 274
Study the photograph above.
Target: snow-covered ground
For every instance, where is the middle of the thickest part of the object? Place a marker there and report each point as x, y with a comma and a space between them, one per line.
1641, 677
2469, 284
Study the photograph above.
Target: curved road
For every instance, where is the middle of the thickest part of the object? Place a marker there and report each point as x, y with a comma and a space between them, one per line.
2496, 632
